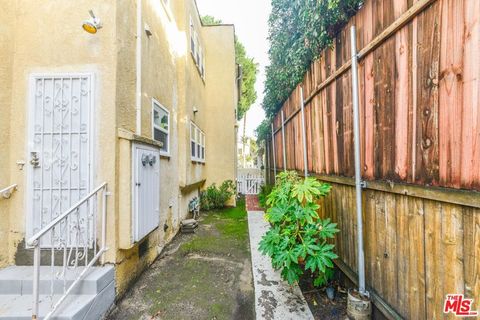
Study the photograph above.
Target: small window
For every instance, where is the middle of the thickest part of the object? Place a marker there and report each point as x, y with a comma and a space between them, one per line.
192, 37
203, 147
199, 54
197, 143
161, 126
193, 134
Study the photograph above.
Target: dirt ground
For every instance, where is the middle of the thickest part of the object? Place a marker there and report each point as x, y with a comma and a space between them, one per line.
206, 275
323, 308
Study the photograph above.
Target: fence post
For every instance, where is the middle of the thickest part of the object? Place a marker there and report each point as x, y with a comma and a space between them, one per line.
283, 144
304, 134
273, 153
358, 177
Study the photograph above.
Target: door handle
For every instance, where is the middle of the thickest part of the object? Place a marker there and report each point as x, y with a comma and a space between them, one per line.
35, 160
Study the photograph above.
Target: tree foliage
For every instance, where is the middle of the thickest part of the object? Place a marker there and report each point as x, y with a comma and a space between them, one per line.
248, 94
210, 20
298, 32
263, 130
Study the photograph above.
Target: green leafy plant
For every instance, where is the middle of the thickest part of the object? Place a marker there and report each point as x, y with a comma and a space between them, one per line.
216, 197
263, 194
298, 237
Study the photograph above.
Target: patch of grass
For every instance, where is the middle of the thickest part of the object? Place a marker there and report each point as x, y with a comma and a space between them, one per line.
232, 226
235, 230
219, 311
235, 212
204, 244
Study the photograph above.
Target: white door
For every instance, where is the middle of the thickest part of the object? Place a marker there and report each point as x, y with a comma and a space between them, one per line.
60, 147
146, 184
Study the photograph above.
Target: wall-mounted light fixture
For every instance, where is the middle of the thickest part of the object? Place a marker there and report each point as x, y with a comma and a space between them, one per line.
93, 24
195, 110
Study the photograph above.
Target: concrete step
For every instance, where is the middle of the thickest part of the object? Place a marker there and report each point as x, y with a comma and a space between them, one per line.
17, 280
91, 299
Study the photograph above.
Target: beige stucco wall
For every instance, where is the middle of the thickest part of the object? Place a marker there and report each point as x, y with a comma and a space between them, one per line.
161, 53
170, 76
6, 56
221, 103
56, 43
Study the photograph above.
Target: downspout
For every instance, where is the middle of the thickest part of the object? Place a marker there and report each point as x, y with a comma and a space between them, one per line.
358, 178
238, 83
138, 57
304, 134
273, 156
283, 143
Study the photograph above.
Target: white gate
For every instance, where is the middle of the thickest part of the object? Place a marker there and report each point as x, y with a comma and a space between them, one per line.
249, 183
60, 147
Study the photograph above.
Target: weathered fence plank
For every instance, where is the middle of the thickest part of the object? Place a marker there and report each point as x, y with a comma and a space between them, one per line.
451, 92
427, 111
471, 89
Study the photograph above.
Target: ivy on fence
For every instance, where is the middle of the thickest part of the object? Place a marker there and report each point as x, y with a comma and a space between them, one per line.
298, 32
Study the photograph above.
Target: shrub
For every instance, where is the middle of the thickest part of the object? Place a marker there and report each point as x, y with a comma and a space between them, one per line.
216, 198
263, 194
297, 239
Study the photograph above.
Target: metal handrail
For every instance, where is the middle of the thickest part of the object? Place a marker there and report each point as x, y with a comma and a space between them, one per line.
48, 227
7, 192
80, 247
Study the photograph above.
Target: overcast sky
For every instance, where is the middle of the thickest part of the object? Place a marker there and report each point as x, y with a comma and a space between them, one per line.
250, 18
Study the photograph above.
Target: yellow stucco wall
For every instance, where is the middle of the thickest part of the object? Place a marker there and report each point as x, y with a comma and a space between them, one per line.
221, 102
55, 43
6, 55
170, 76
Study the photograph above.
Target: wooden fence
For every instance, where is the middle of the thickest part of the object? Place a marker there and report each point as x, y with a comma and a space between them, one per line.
420, 149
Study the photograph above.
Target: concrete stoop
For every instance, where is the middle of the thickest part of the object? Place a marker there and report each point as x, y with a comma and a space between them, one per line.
90, 299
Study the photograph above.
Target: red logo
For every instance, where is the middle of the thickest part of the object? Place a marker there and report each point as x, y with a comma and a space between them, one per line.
459, 306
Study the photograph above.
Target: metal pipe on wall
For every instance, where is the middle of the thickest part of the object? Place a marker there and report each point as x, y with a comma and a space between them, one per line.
138, 64
283, 143
358, 179
304, 134
273, 152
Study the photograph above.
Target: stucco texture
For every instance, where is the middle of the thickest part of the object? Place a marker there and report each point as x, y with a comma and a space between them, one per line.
46, 37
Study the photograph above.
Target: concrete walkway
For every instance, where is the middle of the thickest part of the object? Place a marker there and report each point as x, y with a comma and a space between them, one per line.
275, 299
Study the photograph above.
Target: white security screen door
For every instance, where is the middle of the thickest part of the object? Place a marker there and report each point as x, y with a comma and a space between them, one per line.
60, 148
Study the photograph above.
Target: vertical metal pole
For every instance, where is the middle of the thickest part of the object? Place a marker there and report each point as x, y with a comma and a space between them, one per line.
36, 279
104, 223
274, 161
283, 143
138, 71
304, 134
358, 178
